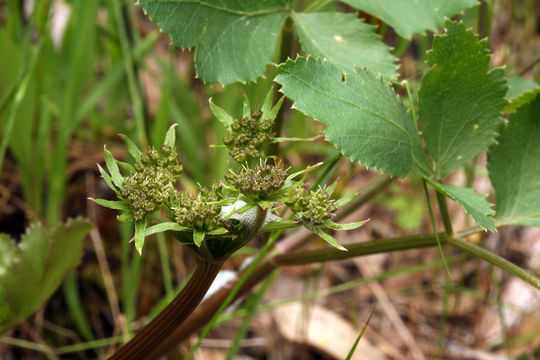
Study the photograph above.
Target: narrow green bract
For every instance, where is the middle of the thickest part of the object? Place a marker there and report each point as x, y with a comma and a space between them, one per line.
460, 100
409, 17
364, 117
514, 167
234, 39
345, 41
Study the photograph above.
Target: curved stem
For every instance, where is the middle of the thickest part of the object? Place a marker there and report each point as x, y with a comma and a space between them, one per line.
173, 315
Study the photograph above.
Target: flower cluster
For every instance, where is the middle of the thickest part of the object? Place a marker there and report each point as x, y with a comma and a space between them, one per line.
199, 212
260, 181
248, 136
311, 207
152, 182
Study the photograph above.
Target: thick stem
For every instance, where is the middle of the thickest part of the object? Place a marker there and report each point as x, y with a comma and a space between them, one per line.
172, 316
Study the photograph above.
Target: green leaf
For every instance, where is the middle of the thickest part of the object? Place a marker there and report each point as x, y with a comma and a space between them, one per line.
234, 39
116, 205
364, 117
224, 118
33, 269
520, 91
350, 226
198, 237
162, 227
514, 167
117, 178
140, 233
326, 237
460, 99
279, 225
409, 17
345, 41
108, 180
132, 148
170, 137
474, 204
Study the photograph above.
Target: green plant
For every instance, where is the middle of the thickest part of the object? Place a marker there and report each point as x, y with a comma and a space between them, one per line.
456, 107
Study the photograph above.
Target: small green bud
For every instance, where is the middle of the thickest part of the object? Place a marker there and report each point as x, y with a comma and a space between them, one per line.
260, 182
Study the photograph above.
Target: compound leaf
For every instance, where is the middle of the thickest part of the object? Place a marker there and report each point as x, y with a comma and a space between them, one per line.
33, 269
345, 41
234, 39
514, 167
409, 17
364, 117
460, 99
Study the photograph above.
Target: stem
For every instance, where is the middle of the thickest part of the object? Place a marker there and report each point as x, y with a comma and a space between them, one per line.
443, 208
208, 308
432, 218
173, 315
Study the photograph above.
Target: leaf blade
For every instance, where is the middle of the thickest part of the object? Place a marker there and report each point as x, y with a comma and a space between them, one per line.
513, 167
364, 118
460, 99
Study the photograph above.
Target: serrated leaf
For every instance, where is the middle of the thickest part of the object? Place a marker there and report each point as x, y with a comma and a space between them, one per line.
345, 41
409, 17
234, 40
520, 92
364, 117
460, 100
474, 204
31, 271
514, 167
326, 237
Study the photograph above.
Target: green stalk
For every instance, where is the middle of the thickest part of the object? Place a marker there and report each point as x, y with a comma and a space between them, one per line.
443, 208
207, 309
149, 337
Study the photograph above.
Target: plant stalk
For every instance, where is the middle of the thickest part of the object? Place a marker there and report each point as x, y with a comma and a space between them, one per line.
140, 346
443, 208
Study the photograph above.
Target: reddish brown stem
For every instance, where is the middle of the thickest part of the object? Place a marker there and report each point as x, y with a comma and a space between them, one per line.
151, 336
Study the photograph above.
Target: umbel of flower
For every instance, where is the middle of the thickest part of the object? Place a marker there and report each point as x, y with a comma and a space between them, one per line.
151, 184
259, 182
247, 137
200, 212
311, 207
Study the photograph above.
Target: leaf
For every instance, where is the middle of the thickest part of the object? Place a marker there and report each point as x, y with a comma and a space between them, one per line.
117, 178
170, 137
108, 180
409, 17
345, 41
111, 204
234, 39
132, 148
198, 237
474, 204
520, 91
326, 237
33, 269
349, 226
364, 117
162, 227
460, 99
514, 167
140, 233
224, 118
